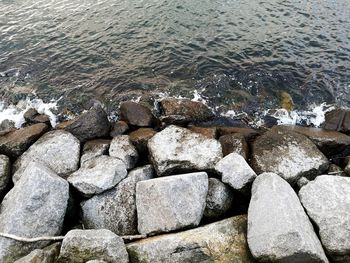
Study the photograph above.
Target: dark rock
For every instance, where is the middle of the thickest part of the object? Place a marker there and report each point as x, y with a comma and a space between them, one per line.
5, 174
46, 255
210, 133
119, 128
6, 125
220, 121
335, 170
338, 120
32, 116
248, 133
140, 138
95, 148
234, 143
137, 114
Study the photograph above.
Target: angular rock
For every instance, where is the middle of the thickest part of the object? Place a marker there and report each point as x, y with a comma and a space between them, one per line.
236, 172
59, 150
119, 128
15, 143
288, 154
223, 241
210, 133
5, 174
234, 143
137, 114
97, 175
33, 116
171, 203
219, 199
95, 148
278, 227
336, 170
177, 149
115, 209
35, 207
338, 120
6, 126
122, 148
347, 169
46, 255
90, 125
327, 202
248, 133
140, 138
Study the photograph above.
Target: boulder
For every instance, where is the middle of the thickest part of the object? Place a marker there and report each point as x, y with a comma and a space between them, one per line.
278, 227
338, 120
46, 255
80, 246
289, 154
5, 174
177, 149
119, 128
90, 125
234, 143
98, 175
33, 116
236, 172
95, 148
140, 138
171, 203
210, 132
137, 114
327, 202
15, 143
34, 207
115, 209
6, 126
122, 148
59, 150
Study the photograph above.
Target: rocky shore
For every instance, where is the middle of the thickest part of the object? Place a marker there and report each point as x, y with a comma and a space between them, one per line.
173, 183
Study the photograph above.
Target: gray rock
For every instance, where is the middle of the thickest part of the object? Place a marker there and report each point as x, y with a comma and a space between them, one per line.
122, 148
115, 209
5, 175
80, 246
347, 168
223, 241
59, 150
95, 148
46, 255
137, 114
278, 227
98, 174
327, 202
35, 207
235, 171
234, 143
219, 199
302, 182
177, 149
171, 203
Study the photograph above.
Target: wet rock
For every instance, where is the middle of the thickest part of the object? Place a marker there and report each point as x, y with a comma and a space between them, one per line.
140, 138
15, 143
5, 175
248, 133
327, 202
122, 148
210, 133
97, 175
177, 149
236, 172
338, 120
7, 125
59, 150
137, 114
46, 255
290, 155
38, 203
33, 116
234, 143
219, 199
278, 227
115, 209
223, 241
95, 148
80, 246
219, 121
90, 125
119, 128
171, 203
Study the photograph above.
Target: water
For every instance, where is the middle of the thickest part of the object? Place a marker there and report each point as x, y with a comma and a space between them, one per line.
235, 54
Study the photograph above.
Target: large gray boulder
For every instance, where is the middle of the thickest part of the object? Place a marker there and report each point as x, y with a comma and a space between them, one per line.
278, 227
35, 207
80, 246
223, 241
177, 149
46, 255
115, 209
171, 203
122, 148
327, 202
58, 150
5, 175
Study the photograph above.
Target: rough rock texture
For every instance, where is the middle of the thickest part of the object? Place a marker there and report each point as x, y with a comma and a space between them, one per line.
98, 174
90, 125
116, 209
15, 143
278, 227
46, 255
5, 175
210, 133
171, 203
140, 138
137, 114
327, 202
219, 199
6, 126
122, 148
35, 207
236, 172
95, 148
234, 143
59, 150
288, 154
336, 170
223, 241
33, 116
347, 169
177, 149
80, 246
248, 133
119, 128
338, 120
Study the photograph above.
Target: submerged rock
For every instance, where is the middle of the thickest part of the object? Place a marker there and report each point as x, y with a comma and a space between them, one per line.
122, 148
137, 114
5, 175
46, 255
234, 143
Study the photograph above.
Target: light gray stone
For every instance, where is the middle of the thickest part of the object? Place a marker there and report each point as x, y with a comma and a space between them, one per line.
80, 246
94, 149
98, 174
122, 148
177, 149
115, 209
327, 202
171, 203
278, 227
46, 255
5, 175
35, 207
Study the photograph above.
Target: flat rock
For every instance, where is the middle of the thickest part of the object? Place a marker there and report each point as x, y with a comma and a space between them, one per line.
122, 148
234, 143
338, 120
46, 255
327, 202
38, 203
95, 148
115, 209
5, 175
223, 241
278, 227
137, 114
177, 149
171, 203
